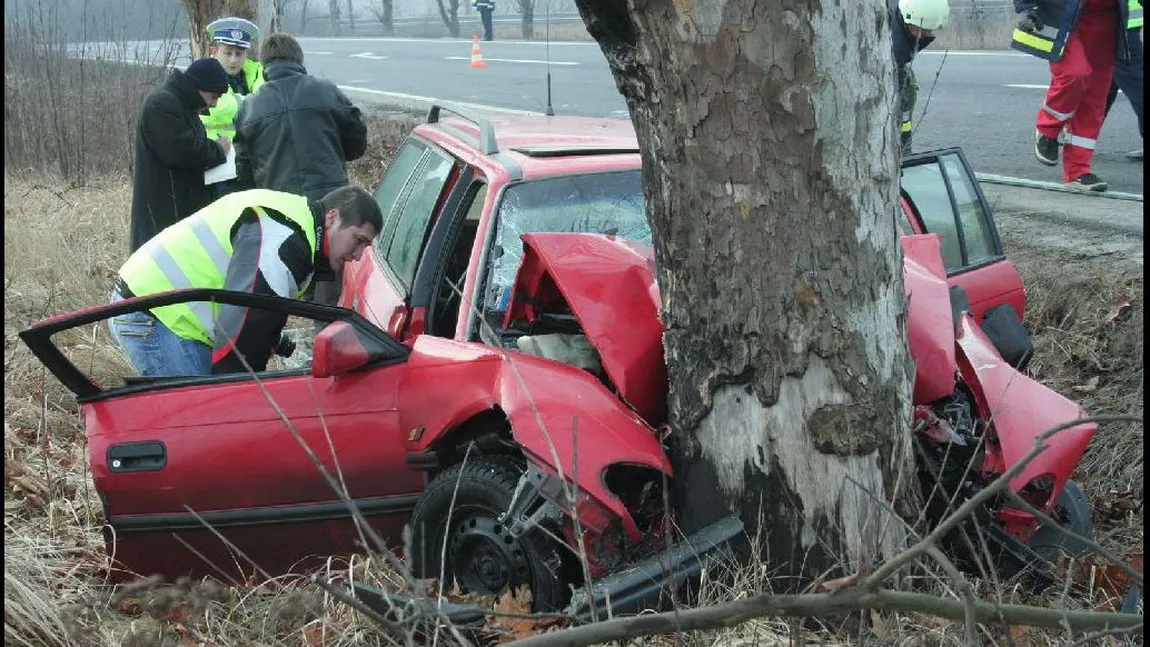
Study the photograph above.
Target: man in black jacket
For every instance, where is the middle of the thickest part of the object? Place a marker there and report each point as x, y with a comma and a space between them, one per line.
173, 150
298, 132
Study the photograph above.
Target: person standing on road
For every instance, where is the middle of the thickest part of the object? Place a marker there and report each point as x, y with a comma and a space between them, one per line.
173, 150
1128, 75
913, 23
485, 9
231, 40
1080, 40
297, 133
256, 241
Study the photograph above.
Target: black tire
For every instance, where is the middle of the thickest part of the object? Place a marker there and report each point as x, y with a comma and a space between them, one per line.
1073, 512
481, 555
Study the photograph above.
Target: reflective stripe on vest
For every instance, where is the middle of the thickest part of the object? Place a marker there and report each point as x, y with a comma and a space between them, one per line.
1134, 17
1041, 44
196, 252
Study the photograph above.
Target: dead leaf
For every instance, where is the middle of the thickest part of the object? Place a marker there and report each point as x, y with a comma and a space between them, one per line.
880, 626
842, 582
805, 294
1090, 386
1121, 305
1020, 635
313, 636
515, 603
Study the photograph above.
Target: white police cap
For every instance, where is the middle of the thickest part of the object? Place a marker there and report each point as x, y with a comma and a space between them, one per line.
233, 31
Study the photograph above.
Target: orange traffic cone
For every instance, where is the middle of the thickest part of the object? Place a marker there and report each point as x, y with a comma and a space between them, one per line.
476, 55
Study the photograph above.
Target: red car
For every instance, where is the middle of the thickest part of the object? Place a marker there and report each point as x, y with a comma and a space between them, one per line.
504, 322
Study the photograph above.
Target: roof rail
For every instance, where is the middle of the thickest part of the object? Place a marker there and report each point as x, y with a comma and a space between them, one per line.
487, 140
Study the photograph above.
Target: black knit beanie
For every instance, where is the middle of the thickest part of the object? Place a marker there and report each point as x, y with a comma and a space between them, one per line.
208, 75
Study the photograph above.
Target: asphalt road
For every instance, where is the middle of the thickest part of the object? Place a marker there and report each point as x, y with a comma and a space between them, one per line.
984, 102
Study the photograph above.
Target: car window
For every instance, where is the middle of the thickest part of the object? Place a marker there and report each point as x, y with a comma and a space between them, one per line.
605, 203
926, 187
977, 236
414, 216
387, 196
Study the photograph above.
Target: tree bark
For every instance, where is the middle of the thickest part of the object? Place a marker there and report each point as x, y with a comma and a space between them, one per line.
388, 18
769, 169
350, 17
450, 16
333, 16
203, 12
527, 18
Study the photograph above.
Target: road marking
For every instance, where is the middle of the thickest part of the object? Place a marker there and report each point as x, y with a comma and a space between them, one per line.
429, 100
360, 81
1026, 86
317, 53
510, 60
374, 57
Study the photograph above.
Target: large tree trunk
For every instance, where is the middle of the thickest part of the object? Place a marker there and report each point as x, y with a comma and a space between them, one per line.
387, 17
769, 157
350, 17
202, 12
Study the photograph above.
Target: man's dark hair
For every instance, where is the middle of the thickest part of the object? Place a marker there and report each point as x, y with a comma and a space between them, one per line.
355, 207
281, 46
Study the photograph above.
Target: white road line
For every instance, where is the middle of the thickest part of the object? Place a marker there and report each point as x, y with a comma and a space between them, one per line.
374, 57
360, 81
510, 60
415, 98
1026, 86
317, 53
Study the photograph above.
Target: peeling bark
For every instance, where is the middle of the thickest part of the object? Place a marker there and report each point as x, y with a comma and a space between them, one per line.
769, 167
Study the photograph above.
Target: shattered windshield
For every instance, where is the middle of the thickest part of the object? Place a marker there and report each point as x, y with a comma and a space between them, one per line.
604, 203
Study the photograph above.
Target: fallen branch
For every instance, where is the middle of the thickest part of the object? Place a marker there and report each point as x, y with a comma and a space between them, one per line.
730, 614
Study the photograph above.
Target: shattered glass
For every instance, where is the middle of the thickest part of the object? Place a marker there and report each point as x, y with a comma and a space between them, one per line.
605, 203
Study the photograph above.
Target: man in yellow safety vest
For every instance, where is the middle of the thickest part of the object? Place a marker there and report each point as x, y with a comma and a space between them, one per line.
258, 241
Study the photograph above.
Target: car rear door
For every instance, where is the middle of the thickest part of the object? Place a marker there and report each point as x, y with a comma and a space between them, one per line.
941, 195
172, 456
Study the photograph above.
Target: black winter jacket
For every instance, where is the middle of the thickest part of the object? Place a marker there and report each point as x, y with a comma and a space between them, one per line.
172, 153
296, 133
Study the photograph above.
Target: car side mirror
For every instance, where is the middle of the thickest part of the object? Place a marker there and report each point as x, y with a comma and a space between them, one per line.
337, 350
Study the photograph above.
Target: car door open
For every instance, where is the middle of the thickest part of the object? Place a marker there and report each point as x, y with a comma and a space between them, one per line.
171, 456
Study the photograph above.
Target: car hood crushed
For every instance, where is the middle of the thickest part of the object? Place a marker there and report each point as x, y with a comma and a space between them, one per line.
608, 283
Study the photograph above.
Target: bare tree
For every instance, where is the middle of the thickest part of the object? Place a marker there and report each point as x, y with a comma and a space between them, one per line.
350, 16
769, 169
385, 14
527, 17
450, 15
279, 9
303, 15
202, 12
333, 16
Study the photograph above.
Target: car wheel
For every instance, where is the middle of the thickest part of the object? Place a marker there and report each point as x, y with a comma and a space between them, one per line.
482, 556
1073, 513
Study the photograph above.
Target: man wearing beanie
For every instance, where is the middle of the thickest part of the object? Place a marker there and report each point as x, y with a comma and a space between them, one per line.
173, 150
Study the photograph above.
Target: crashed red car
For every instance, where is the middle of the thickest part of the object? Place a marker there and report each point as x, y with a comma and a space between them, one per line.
497, 374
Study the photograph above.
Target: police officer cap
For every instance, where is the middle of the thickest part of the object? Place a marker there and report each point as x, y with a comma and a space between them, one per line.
234, 31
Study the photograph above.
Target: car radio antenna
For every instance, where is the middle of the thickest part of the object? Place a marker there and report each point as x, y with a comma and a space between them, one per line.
550, 112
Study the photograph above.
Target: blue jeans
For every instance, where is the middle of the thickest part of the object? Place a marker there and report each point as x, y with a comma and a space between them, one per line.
153, 349
485, 18
1128, 78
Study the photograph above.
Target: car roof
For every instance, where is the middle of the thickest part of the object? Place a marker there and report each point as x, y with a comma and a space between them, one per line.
535, 146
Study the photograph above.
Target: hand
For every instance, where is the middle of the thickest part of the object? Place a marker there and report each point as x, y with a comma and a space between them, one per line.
224, 143
1029, 21
286, 346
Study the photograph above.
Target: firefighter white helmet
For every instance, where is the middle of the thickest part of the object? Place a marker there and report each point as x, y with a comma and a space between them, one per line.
925, 14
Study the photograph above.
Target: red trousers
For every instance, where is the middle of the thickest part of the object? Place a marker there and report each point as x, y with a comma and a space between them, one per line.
1076, 100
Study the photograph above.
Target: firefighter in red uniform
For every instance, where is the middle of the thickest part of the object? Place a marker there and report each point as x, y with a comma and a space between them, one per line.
1080, 39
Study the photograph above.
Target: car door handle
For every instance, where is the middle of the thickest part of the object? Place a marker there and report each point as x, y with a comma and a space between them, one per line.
145, 456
